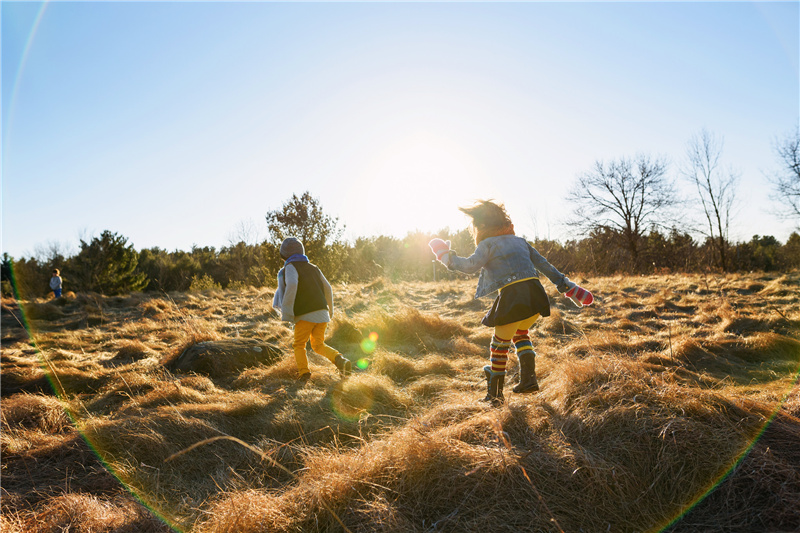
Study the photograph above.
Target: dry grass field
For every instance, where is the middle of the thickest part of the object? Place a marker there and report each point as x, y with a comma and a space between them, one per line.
668, 389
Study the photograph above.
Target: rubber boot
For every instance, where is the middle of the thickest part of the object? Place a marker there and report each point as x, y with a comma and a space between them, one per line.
527, 373
343, 365
494, 386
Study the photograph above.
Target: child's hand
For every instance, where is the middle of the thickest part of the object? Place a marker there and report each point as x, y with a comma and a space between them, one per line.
439, 247
579, 295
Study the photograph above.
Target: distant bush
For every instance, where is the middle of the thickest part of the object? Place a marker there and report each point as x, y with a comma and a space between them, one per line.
108, 265
203, 283
238, 285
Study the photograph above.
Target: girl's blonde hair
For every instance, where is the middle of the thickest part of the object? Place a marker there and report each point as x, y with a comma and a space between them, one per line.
489, 219
56, 272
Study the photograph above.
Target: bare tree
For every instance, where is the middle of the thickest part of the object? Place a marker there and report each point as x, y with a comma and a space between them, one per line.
245, 231
716, 189
627, 197
786, 180
54, 254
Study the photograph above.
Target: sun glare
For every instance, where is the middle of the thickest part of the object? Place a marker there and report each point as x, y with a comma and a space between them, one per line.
417, 183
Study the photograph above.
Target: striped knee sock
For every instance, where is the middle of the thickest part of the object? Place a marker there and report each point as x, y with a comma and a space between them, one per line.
522, 341
499, 353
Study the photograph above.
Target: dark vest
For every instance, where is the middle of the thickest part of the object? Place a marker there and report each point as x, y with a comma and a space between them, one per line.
310, 291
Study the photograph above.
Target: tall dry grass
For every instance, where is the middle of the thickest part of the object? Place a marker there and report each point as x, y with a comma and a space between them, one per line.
666, 388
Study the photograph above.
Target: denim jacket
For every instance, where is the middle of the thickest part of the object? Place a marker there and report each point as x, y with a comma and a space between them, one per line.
504, 259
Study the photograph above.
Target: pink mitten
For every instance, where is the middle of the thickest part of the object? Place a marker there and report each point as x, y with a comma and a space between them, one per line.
579, 296
439, 247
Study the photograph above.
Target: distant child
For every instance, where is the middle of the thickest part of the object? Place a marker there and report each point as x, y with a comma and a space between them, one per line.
305, 297
511, 265
55, 282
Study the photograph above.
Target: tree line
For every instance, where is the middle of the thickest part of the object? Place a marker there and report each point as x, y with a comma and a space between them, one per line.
631, 221
108, 264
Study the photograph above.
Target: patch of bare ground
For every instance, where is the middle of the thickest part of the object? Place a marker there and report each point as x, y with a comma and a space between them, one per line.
671, 404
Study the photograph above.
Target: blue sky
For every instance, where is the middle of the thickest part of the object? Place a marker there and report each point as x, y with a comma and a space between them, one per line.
184, 123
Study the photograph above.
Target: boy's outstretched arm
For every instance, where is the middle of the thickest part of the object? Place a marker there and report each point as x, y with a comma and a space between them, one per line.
287, 305
277, 299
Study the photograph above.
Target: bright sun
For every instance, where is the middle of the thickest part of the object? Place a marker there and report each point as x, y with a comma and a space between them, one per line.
418, 182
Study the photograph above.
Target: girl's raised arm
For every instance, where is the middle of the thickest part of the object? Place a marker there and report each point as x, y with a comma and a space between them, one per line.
453, 261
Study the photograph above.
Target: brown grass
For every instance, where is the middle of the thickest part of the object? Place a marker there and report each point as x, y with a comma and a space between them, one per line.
662, 390
34, 411
129, 351
90, 514
42, 311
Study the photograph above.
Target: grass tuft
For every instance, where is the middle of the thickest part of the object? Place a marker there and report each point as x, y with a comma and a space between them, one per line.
35, 411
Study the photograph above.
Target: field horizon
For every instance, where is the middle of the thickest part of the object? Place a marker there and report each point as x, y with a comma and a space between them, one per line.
671, 404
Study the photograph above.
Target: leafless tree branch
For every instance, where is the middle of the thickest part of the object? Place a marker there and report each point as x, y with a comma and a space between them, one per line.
716, 188
786, 179
627, 196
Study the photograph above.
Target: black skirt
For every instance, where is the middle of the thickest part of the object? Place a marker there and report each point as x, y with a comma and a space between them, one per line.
516, 302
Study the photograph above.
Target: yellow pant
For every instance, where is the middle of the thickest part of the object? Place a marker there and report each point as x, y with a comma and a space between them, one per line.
316, 331
507, 331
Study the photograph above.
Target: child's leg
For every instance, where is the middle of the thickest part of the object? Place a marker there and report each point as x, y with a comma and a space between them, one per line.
319, 346
496, 372
521, 339
501, 344
318, 342
498, 349
526, 356
302, 330
509, 329
511, 332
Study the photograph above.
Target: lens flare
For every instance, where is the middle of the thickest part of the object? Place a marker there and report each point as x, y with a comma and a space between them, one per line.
367, 346
350, 399
51, 373
369, 343
362, 363
738, 459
